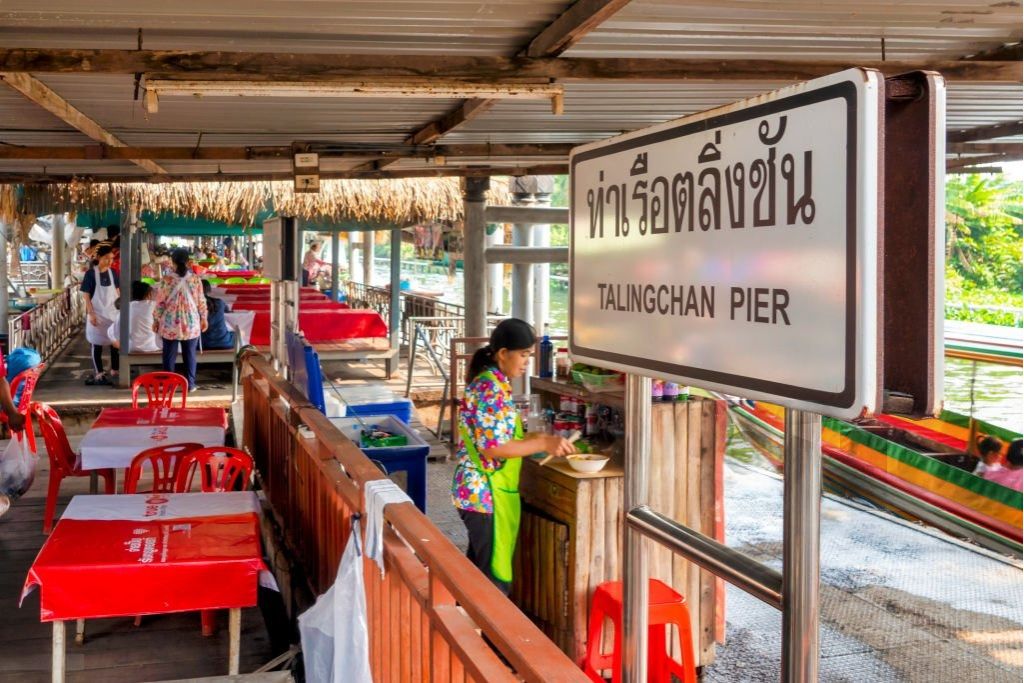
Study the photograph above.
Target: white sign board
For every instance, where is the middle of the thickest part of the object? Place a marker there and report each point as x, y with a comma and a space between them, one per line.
736, 249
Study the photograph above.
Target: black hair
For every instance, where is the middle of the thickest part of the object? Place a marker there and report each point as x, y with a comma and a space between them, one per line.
512, 334
211, 303
102, 250
140, 290
113, 230
1013, 454
180, 257
93, 243
989, 444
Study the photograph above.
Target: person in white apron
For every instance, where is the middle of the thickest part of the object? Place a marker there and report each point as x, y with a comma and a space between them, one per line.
100, 290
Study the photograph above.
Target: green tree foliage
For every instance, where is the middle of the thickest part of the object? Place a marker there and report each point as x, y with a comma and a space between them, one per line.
983, 231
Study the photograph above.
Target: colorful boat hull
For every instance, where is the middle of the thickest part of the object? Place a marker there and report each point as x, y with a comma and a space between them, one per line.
911, 483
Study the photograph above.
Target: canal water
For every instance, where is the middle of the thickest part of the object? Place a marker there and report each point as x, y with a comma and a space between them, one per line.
994, 393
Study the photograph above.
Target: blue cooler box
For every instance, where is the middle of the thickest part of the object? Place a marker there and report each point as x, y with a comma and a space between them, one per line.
371, 399
412, 458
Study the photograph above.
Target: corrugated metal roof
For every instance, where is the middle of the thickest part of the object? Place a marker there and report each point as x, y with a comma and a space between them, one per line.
820, 29
367, 26
739, 29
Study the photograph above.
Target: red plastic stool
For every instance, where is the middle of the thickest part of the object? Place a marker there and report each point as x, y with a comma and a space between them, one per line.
665, 607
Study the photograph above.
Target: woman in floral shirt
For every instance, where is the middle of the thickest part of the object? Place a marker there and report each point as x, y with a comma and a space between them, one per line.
179, 316
485, 485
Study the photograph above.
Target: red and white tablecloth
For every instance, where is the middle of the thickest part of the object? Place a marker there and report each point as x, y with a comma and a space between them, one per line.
150, 553
150, 417
115, 446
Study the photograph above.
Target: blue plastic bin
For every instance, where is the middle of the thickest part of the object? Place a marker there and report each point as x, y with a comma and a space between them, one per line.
411, 458
371, 399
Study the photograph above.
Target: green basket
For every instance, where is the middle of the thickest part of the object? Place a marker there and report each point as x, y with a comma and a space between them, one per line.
388, 441
594, 382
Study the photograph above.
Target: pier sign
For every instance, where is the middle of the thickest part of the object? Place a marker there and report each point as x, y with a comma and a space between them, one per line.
737, 249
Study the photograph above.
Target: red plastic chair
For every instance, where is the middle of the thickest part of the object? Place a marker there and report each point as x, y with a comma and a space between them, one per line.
166, 463
221, 468
64, 462
160, 388
26, 380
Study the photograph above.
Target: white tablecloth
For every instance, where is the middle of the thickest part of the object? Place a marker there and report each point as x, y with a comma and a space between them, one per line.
242, 321
116, 446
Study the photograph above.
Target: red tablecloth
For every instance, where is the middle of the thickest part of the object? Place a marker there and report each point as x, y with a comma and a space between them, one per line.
232, 273
321, 305
112, 556
326, 326
253, 288
152, 417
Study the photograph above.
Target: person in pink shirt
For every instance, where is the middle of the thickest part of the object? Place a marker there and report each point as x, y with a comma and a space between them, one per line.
1009, 475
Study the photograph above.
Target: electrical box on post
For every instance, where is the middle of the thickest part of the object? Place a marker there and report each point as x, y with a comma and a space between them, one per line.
280, 248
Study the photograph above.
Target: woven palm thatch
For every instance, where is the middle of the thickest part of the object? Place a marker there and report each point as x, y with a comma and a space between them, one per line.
394, 202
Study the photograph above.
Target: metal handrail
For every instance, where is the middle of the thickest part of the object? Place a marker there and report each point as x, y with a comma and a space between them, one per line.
764, 583
49, 326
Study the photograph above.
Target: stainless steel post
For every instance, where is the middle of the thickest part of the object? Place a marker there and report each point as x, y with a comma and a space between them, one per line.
353, 261
634, 568
130, 241
801, 546
57, 259
395, 319
5, 298
474, 228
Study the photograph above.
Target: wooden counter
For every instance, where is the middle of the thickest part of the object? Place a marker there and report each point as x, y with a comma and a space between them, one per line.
571, 535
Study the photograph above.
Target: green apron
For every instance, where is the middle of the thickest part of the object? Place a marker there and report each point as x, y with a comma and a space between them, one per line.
504, 485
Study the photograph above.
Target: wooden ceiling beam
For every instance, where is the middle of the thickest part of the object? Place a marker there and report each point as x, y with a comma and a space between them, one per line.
441, 172
270, 66
991, 132
967, 162
42, 95
582, 17
253, 153
983, 148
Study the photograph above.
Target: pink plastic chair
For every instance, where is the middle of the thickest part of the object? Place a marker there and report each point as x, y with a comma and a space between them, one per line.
160, 388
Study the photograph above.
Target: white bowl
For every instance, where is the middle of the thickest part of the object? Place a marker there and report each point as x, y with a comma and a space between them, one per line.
588, 463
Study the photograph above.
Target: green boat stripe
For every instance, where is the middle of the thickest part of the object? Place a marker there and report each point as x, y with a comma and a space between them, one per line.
983, 427
936, 468
987, 350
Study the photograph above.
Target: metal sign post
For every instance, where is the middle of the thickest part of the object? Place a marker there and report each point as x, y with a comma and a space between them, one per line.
634, 566
801, 546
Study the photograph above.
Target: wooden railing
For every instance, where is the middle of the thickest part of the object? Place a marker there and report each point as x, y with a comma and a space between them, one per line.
48, 327
424, 614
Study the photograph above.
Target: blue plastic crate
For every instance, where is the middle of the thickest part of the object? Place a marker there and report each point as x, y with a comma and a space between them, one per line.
371, 399
411, 458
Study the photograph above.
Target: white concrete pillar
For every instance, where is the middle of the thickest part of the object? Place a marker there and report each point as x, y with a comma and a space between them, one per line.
368, 257
473, 256
496, 274
542, 271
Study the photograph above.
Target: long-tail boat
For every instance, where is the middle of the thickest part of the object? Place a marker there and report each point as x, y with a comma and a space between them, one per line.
919, 469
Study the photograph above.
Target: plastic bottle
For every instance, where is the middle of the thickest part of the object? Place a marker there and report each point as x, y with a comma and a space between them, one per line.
547, 354
671, 391
657, 389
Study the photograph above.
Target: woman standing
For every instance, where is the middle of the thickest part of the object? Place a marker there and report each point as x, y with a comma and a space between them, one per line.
100, 290
485, 489
312, 263
179, 316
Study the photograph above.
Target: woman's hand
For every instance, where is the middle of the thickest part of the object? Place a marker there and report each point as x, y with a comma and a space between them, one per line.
558, 446
203, 325
94, 319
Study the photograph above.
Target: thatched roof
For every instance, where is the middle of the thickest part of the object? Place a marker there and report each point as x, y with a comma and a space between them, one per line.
394, 202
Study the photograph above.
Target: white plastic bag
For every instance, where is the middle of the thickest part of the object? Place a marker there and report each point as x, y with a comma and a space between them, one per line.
17, 467
335, 637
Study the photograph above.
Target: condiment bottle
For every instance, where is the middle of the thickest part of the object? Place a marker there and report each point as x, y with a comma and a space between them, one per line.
547, 354
657, 389
671, 391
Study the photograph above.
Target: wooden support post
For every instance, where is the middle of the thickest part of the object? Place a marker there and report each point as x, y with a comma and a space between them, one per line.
234, 639
129, 245
57, 674
473, 256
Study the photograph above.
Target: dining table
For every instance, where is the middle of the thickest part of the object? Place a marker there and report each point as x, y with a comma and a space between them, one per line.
119, 434
150, 553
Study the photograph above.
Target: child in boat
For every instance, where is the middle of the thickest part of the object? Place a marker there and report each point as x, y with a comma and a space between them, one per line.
989, 449
1009, 476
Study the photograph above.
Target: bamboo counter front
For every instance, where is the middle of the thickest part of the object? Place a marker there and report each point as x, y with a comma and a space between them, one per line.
570, 539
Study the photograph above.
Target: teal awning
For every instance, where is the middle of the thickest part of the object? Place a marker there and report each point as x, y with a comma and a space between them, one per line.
172, 225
